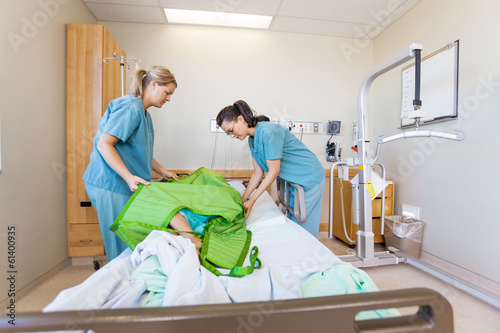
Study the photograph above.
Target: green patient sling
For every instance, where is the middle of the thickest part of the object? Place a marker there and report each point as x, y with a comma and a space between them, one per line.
226, 241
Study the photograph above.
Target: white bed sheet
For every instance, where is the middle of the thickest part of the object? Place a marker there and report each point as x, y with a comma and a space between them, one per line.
289, 255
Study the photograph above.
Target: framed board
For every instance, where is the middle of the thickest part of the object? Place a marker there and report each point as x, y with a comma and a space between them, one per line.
438, 88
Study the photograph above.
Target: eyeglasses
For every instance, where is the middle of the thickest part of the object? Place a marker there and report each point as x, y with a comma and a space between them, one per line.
230, 131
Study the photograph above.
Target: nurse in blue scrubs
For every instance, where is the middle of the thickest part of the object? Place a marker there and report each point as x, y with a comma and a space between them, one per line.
122, 157
279, 153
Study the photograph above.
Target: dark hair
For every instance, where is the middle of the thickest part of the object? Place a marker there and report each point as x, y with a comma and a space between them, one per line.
231, 112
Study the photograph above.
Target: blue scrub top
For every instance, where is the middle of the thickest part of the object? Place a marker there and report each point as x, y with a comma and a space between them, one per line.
125, 119
298, 164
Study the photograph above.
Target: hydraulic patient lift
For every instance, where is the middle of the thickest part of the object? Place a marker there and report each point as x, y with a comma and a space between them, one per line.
365, 255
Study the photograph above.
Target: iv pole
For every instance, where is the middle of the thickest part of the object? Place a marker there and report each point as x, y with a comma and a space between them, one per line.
122, 59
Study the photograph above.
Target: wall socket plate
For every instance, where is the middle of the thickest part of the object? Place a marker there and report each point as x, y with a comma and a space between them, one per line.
214, 128
410, 211
307, 127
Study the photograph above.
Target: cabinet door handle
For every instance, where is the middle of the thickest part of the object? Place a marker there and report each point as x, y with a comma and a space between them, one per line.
85, 240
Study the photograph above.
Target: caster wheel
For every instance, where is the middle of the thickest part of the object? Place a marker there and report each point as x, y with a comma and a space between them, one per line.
96, 265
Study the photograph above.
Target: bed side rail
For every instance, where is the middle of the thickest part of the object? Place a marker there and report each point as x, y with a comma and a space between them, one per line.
299, 207
321, 314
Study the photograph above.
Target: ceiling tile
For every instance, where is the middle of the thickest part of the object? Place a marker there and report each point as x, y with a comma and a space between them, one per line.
342, 18
354, 11
127, 13
316, 27
149, 3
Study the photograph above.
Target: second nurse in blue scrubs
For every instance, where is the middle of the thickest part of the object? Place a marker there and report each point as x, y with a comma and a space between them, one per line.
279, 153
122, 157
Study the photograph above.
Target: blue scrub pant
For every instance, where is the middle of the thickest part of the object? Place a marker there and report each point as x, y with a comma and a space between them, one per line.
108, 206
314, 199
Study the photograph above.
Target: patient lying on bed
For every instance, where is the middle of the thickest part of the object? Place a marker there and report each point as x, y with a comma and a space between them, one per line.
185, 220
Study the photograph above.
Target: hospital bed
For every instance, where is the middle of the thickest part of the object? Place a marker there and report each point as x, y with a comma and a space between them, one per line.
272, 298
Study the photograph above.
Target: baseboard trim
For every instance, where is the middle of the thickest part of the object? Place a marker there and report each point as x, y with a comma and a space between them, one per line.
32, 285
465, 274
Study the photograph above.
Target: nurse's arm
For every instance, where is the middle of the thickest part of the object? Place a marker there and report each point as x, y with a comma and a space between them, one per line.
157, 167
106, 146
254, 180
273, 167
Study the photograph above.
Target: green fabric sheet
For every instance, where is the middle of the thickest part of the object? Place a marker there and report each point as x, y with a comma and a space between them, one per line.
341, 279
205, 192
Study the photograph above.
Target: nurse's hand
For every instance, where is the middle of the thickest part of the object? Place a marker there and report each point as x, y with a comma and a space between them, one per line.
170, 175
248, 206
134, 181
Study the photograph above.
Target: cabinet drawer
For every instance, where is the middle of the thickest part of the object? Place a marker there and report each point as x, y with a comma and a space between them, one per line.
377, 207
378, 238
85, 240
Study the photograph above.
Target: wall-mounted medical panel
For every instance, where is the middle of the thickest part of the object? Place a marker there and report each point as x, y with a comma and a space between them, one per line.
307, 127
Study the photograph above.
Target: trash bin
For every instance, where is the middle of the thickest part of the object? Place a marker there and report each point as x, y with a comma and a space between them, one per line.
404, 233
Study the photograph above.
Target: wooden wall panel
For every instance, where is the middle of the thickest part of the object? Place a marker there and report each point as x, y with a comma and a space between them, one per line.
83, 99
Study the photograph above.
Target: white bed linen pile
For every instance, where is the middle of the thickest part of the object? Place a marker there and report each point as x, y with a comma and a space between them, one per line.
288, 253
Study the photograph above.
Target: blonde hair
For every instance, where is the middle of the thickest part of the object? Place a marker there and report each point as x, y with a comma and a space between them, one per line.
142, 78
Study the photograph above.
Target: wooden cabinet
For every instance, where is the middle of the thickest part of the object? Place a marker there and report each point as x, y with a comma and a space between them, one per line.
90, 86
351, 228
85, 240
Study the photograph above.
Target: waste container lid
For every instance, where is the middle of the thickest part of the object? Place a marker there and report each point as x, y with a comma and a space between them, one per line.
403, 219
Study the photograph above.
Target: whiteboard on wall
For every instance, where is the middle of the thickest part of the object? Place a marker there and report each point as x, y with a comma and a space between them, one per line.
438, 88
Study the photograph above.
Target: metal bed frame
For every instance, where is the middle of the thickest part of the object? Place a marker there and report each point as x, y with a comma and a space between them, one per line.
319, 314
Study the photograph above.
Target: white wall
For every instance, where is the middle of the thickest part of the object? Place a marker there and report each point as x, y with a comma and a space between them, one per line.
453, 183
278, 74
32, 93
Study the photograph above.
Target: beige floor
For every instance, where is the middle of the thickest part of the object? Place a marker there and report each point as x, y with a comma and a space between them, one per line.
470, 315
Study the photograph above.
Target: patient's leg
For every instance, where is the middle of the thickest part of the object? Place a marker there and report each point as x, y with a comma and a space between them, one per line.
179, 222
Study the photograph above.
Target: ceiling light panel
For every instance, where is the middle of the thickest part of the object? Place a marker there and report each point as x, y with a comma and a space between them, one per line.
256, 7
217, 18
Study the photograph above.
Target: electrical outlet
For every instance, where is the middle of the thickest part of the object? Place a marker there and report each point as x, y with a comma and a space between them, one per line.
214, 128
